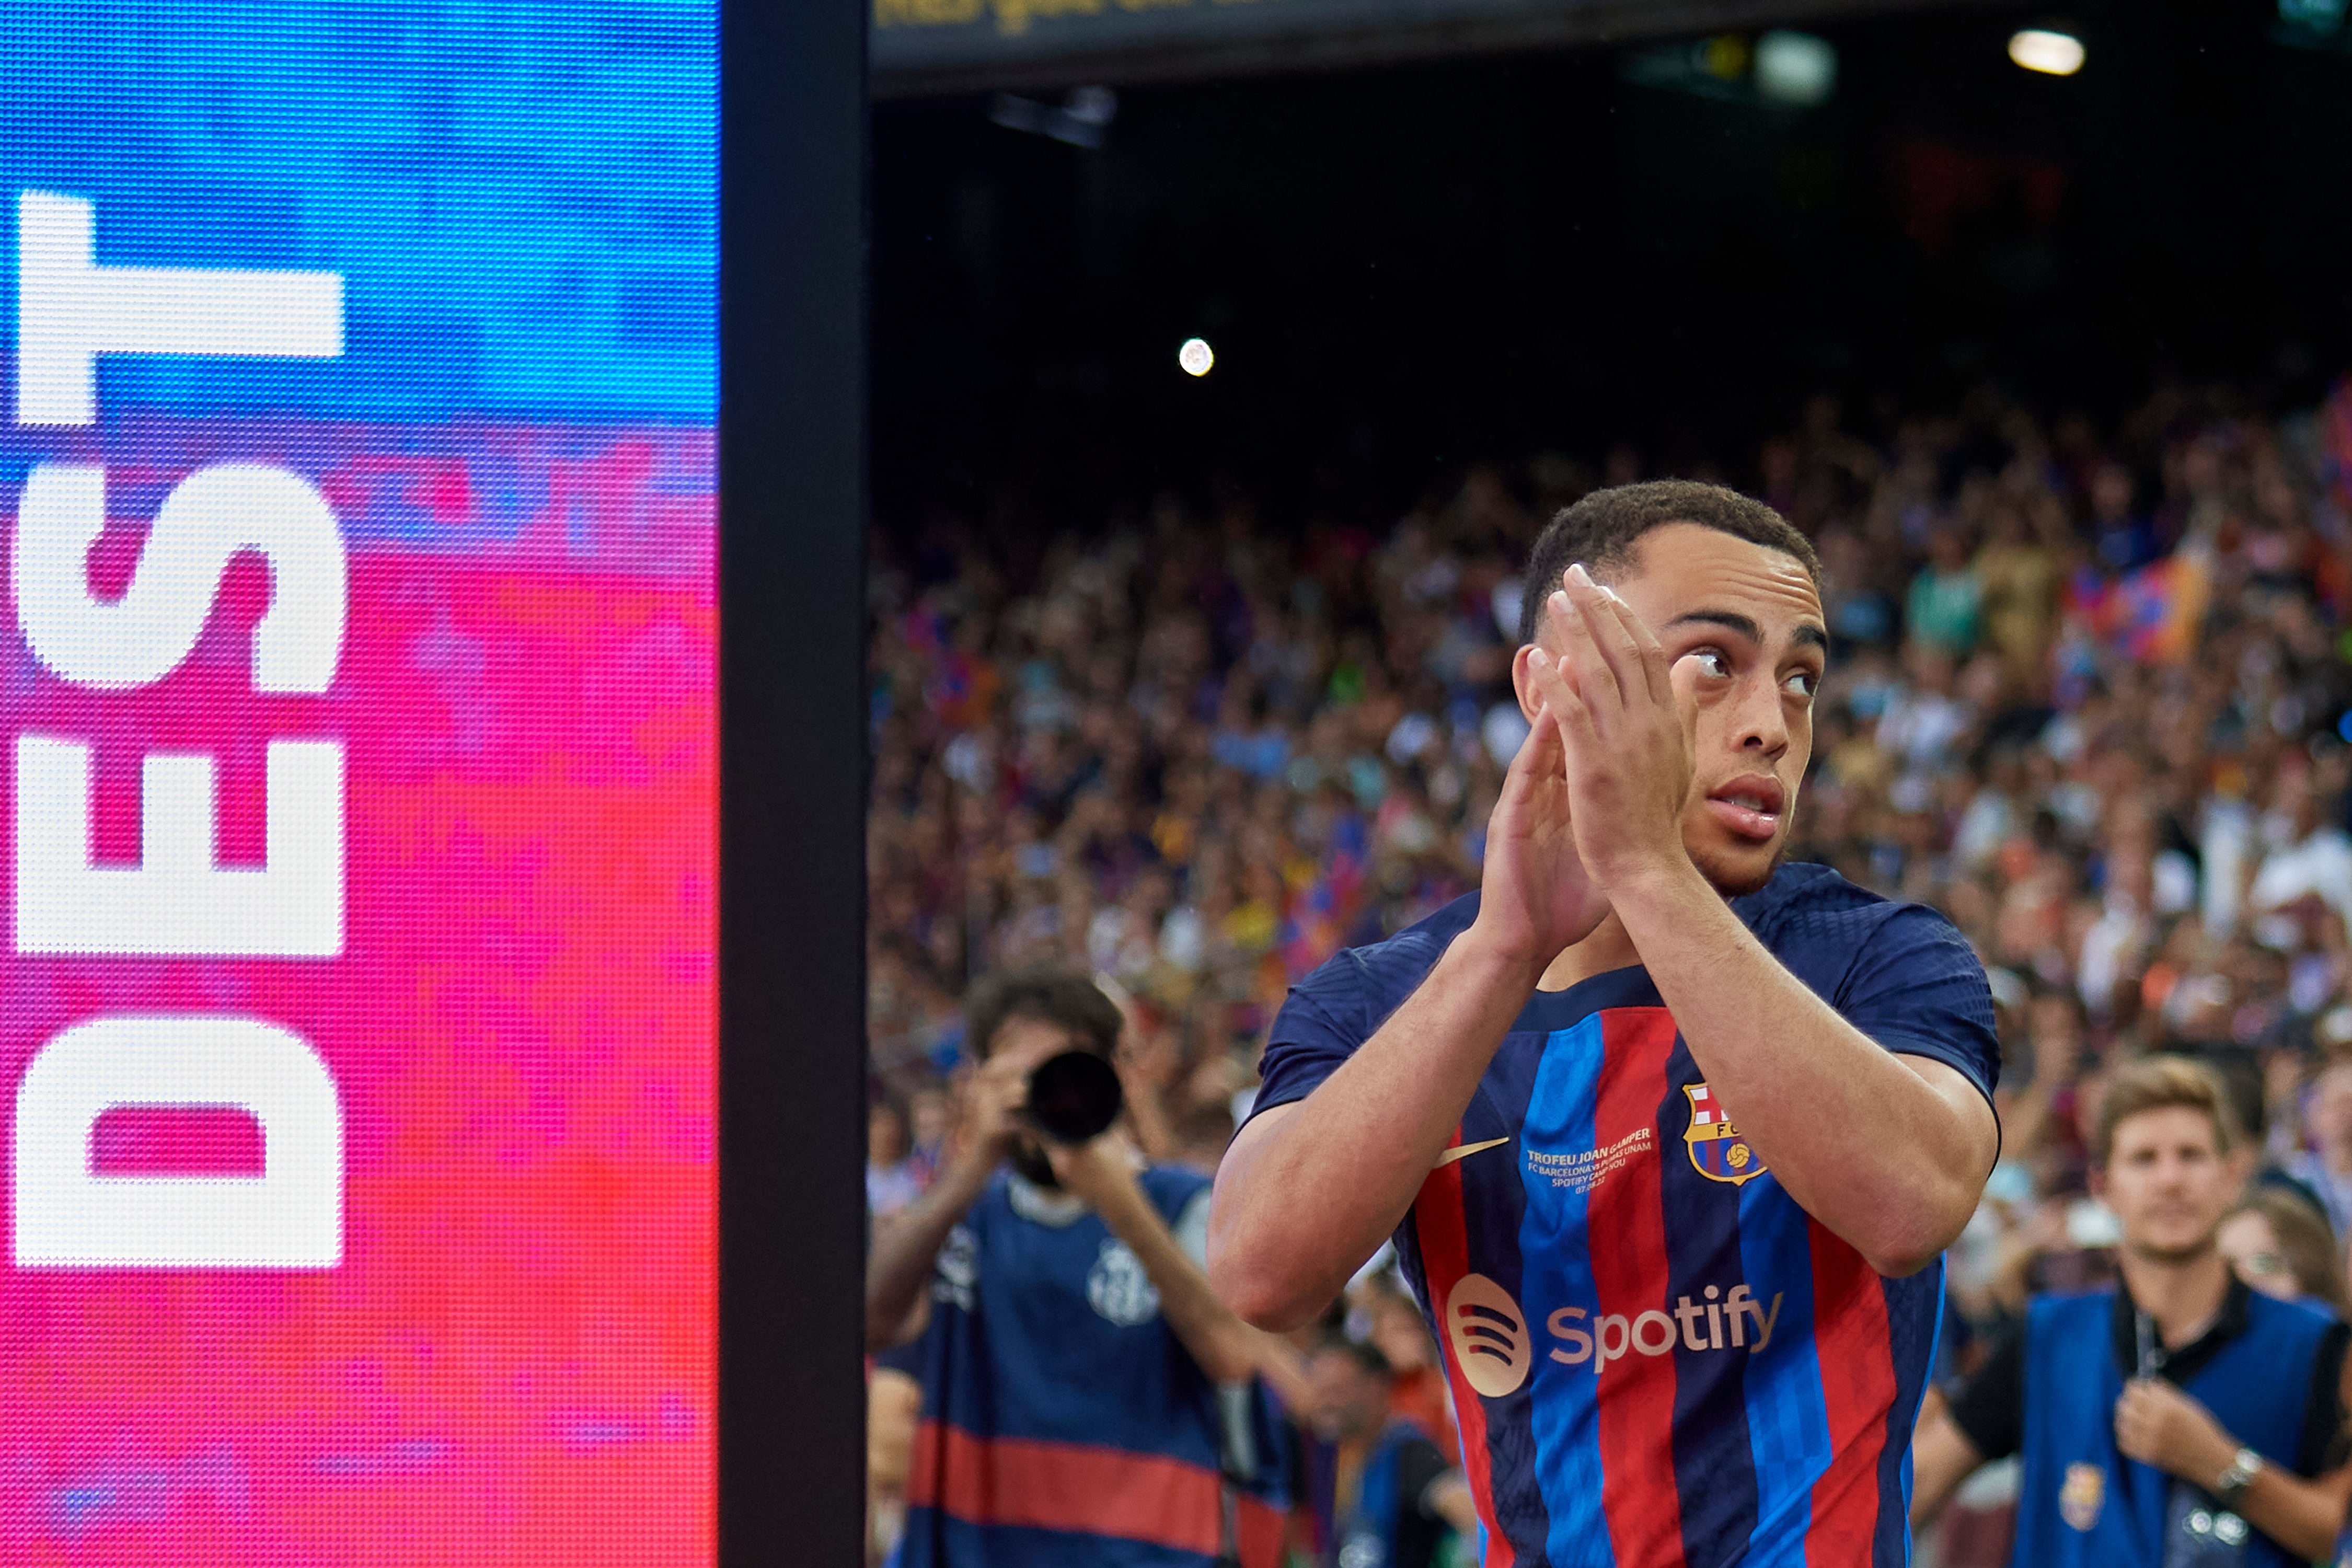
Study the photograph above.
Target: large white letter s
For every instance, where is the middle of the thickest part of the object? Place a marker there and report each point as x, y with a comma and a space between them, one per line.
208, 517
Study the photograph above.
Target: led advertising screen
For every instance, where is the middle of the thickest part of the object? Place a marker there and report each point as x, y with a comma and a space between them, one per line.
356, 1016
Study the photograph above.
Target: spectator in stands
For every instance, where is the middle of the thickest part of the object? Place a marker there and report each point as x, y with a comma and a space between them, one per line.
1947, 597
1417, 1391
2326, 1168
1392, 1493
1086, 1400
931, 1115
2278, 1244
891, 1181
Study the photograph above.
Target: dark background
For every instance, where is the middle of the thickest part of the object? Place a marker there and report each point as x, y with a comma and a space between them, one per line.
792, 908
1407, 270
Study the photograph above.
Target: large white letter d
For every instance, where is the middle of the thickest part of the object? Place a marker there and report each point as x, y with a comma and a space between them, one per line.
290, 1216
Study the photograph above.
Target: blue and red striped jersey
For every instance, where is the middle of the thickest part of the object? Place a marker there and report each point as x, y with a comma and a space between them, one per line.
1659, 1360
1064, 1423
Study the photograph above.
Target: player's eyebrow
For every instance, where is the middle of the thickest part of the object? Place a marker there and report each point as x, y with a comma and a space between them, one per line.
1806, 635
1730, 620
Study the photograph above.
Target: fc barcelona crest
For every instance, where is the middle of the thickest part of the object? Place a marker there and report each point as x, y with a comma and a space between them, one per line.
2079, 1498
1718, 1152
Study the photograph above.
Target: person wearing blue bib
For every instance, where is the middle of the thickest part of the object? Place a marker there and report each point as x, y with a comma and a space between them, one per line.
2180, 1420
1087, 1402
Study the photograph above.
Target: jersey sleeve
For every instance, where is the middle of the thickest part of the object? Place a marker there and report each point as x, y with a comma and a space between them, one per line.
1917, 989
1320, 1025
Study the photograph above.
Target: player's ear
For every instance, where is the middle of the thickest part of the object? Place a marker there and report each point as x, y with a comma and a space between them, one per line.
1529, 704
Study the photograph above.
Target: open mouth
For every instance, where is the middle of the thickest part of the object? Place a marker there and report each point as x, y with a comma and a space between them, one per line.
1751, 806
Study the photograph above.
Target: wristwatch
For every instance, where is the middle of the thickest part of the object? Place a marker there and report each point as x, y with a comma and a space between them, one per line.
2233, 1482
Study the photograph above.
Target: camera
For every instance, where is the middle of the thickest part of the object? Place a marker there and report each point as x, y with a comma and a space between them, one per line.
1075, 1096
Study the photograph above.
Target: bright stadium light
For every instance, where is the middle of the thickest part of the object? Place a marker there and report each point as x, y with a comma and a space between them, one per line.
1795, 69
2052, 54
1196, 356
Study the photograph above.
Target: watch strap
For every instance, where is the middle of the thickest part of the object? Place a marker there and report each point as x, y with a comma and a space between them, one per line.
2244, 1466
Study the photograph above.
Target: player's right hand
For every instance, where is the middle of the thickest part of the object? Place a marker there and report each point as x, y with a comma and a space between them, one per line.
996, 1095
1535, 899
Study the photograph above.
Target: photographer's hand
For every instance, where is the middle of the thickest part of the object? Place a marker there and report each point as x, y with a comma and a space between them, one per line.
994, 1096
2159, 1424
1100, 1174
896, 1305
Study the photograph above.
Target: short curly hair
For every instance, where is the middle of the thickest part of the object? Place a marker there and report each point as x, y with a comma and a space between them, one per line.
1068, 997
1601, 530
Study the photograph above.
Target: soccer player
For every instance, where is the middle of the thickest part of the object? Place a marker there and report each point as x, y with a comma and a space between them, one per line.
2182, 1418
1669, 1134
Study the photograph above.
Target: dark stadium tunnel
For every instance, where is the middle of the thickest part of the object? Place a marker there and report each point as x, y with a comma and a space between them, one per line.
1406, 269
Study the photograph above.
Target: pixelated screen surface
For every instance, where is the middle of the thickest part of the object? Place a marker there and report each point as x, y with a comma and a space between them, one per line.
357, 1014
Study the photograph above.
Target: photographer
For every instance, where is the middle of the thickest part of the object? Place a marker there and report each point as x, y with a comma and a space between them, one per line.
1086, 1397
2178, 1418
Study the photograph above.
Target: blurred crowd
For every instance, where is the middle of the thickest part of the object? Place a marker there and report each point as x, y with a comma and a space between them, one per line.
2090, 695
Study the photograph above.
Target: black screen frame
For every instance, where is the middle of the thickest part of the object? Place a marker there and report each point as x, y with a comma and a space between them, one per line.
791, 752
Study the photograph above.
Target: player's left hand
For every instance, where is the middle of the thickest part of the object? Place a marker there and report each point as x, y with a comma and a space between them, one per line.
2159, 1424
1097, 1172
1607, 684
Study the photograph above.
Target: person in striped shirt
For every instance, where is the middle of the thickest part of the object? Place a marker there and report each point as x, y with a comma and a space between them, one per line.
1671, 1135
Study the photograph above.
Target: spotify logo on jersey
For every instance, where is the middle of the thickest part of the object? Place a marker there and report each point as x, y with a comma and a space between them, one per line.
1489, 1334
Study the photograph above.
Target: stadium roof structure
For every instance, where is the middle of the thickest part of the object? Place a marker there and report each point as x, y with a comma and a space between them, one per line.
920, 47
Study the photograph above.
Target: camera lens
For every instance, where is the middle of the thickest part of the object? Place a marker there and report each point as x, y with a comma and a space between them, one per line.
1074, 1097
